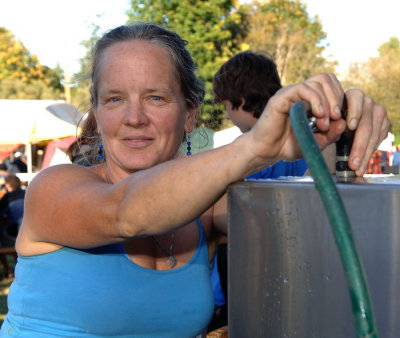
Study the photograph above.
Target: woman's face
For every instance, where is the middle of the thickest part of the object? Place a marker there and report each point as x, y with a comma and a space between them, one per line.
141, 112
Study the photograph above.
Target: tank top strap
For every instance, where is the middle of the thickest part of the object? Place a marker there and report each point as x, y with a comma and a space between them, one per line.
201, 230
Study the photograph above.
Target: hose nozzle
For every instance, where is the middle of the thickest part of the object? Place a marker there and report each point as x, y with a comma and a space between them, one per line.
343, 149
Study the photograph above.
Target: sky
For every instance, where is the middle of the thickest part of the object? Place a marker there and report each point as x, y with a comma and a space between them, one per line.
356, 28
54, 29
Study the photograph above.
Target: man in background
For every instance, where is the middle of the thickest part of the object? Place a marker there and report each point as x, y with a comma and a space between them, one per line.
11, 213
244, 85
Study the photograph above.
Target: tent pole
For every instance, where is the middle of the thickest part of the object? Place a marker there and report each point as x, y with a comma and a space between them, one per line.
28, 153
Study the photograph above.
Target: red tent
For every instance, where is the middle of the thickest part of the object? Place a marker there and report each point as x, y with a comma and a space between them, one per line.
52, 146
7, 149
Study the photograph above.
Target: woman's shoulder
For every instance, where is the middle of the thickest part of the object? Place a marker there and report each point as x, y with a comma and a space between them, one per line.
68, 168
60, 179
65, 171
56, 191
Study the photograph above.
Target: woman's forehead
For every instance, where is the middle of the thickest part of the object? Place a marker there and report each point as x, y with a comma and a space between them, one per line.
136, 55
137, 49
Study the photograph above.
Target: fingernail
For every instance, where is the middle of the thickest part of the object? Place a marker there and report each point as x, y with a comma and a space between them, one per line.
326, 121
337, 112
356, 161
353, 124
321, 109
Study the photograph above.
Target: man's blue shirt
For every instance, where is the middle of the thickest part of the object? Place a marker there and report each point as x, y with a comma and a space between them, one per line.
281, 168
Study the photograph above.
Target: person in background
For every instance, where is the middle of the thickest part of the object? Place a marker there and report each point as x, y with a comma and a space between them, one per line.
375, 163
127, 238
244, 84
11, 214
396, 156
3, 167
19, 164
16, 163
14, 192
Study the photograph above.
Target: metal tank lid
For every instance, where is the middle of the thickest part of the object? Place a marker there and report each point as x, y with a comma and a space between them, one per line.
366, 179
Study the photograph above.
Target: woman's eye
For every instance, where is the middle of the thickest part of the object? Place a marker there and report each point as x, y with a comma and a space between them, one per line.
156, 98
115, 99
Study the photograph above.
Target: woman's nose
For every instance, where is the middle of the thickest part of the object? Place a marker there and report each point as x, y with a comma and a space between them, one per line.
136, 115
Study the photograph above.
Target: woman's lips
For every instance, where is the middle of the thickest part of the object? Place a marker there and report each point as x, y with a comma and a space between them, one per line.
138, 141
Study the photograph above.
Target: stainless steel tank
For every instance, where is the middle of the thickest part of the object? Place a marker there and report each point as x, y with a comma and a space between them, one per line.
285, 277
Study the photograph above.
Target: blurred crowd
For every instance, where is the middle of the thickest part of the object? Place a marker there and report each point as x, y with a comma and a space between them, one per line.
384, 162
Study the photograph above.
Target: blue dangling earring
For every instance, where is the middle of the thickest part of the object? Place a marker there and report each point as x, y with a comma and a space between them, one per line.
188, 146
100, 152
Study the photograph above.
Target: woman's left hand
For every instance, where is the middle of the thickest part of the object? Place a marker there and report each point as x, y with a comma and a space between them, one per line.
371, 124
369, 120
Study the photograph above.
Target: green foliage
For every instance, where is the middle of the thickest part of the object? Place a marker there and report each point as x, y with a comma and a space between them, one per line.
295, 41
379, 77
54, 77
81, 81
21, 74
14, 89
214, 30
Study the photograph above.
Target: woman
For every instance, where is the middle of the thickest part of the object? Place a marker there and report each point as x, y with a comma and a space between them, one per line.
120, 249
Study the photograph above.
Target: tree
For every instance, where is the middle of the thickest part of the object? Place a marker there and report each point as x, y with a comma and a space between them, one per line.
21, 74
379, 77
16, 61
295, 41
214, 30
15, 89
80, 82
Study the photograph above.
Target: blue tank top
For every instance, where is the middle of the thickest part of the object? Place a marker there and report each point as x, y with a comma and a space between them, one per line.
101, 293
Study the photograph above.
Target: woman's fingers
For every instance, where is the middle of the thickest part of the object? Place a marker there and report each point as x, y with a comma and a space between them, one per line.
355, 107
322, 93
373, 126
325, 95
333, 91
336, 128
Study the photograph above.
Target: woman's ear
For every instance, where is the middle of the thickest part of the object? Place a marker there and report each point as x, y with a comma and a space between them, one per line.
190, 120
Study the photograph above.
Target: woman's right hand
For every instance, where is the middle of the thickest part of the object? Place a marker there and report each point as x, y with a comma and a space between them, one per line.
272, 138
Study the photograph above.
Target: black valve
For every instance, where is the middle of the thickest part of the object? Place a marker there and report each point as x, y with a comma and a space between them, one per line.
343, 149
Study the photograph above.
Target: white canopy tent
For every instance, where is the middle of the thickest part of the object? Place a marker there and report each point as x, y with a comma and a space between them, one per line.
34, 121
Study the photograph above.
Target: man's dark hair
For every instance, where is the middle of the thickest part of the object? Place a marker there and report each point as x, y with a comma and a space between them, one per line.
13, 181
249, 76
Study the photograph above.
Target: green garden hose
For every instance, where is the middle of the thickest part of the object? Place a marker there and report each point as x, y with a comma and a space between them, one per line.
341, 228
